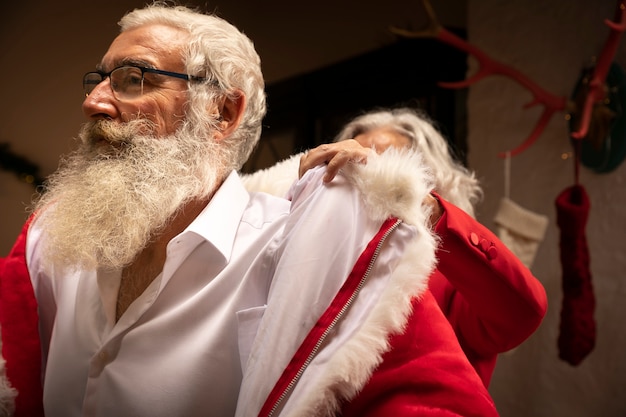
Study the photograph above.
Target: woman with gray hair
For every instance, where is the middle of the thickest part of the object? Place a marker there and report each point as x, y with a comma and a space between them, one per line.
452, 180
492, 301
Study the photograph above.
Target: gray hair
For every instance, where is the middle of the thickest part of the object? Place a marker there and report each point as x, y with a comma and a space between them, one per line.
453, 181
218, 51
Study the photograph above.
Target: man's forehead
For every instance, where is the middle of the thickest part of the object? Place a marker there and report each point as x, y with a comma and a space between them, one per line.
158, 46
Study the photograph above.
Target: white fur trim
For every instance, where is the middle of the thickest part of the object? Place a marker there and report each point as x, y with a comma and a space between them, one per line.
353, 364
275, 180
394, 183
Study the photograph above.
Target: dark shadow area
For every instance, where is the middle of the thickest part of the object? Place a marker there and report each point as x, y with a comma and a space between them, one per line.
310, 109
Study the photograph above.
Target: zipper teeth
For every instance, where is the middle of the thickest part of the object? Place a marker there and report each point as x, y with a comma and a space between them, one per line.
339, 315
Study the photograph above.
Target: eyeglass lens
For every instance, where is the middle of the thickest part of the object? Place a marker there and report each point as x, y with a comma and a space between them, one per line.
126, 82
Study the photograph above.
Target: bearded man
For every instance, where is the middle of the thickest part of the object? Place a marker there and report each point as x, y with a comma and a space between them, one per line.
163, 288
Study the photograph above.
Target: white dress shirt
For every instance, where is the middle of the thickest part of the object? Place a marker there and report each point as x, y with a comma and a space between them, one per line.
175, 350
182, 347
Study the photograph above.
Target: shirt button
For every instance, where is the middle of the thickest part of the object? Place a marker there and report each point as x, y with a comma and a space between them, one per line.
484, 245
474, 239
492, 253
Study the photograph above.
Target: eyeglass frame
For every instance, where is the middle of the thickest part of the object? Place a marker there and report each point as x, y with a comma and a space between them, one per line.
105, 75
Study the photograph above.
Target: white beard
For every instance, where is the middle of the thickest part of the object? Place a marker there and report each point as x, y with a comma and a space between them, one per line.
109, 198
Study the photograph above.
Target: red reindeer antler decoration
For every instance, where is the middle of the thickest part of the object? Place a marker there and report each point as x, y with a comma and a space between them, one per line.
596, 88
489, 66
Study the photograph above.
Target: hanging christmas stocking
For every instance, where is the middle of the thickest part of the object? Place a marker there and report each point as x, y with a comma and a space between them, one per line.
520, 229
578, 328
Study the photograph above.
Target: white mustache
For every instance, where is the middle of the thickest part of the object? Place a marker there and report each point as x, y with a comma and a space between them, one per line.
115, 133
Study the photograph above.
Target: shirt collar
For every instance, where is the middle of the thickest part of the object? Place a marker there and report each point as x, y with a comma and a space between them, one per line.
219, 221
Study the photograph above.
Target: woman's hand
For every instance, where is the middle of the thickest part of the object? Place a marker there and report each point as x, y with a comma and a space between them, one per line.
335, 156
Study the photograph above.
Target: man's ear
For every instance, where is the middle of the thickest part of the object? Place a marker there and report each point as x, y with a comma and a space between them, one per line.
231, 111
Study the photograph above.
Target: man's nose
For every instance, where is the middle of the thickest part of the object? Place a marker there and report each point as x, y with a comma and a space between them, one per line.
101, 103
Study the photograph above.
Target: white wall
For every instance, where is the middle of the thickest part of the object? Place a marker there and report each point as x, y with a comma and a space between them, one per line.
550, 41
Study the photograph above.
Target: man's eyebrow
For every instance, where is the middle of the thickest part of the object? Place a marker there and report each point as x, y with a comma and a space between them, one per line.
134, 62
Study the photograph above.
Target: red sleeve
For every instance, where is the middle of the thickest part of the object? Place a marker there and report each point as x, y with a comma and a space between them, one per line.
497, 303
424, 374
20, 334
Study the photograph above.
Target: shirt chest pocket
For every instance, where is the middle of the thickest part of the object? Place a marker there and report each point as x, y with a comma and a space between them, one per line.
248, 322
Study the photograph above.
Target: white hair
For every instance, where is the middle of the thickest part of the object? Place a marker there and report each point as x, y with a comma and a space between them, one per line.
453, 181
226, 57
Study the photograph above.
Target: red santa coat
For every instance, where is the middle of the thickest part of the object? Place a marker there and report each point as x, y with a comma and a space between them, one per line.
417, 369
422, 374
20, 333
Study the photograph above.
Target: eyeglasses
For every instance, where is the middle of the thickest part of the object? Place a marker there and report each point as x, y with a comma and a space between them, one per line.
127, 81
